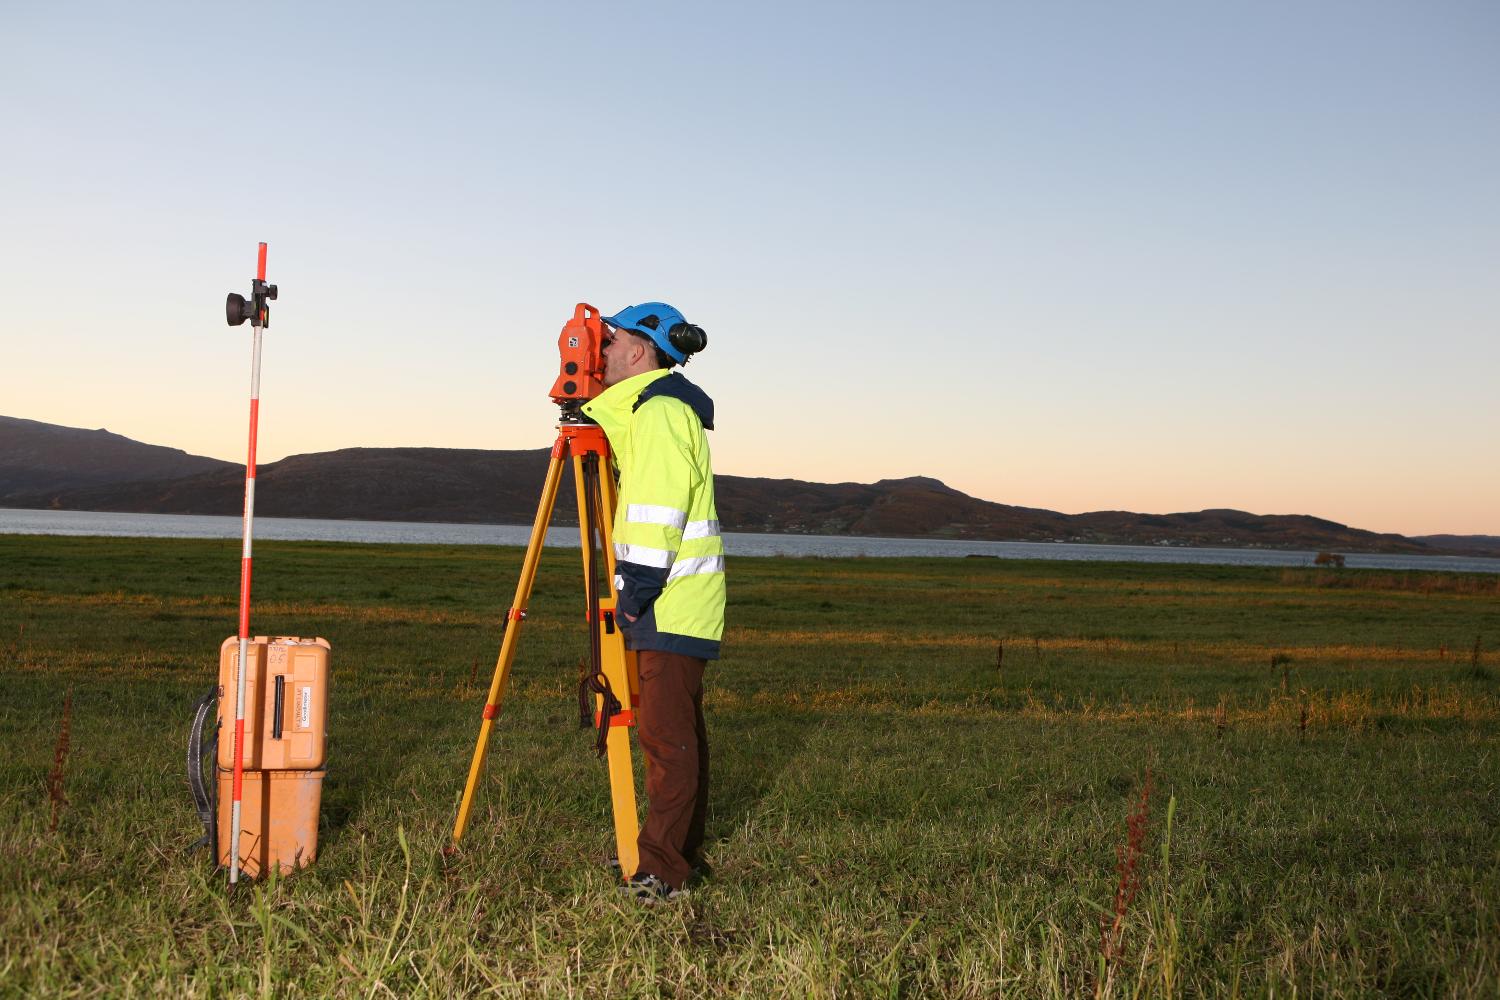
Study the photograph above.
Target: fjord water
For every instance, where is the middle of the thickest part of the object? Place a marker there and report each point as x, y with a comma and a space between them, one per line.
70, 522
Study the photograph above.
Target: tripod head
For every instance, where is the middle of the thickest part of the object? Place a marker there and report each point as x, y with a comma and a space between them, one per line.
581, 347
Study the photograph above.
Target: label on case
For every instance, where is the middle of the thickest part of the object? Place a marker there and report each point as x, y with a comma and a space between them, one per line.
304, 710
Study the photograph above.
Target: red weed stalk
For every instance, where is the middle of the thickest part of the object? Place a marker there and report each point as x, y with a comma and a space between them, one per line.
59, 758
1127, 877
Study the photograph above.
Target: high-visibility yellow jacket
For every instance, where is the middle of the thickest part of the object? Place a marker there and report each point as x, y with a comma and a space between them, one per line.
669, 557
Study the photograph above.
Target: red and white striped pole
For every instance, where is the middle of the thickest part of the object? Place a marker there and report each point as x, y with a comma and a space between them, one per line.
257, 322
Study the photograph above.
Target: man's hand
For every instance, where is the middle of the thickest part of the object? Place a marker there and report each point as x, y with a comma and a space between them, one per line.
628, 617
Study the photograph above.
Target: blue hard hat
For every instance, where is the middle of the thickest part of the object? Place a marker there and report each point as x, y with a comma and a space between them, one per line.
654, 320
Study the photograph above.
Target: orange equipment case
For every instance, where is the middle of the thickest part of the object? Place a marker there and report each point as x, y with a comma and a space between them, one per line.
286, 702
278, 819
286, 712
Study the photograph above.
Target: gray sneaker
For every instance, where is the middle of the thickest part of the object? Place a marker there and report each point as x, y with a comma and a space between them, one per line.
649, 889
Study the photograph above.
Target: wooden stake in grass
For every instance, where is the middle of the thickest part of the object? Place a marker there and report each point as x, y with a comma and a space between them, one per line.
1127, 882
59, 759
999, 656
1476, 667
1282, 660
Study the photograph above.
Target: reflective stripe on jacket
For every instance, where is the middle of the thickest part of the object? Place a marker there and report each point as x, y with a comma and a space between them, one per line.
669, 556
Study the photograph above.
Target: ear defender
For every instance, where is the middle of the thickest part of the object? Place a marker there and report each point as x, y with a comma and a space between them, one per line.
687, 338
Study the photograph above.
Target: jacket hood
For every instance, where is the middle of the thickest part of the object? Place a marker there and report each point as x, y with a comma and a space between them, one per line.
677, 386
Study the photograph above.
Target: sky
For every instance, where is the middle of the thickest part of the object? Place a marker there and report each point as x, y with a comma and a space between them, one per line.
1082, 256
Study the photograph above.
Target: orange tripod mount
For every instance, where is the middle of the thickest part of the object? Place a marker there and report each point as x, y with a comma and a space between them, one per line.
613, 668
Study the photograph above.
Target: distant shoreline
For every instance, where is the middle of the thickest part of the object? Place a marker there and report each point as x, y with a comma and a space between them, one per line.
350, 530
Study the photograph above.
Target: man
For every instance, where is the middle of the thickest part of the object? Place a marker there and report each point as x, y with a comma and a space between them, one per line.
669, 572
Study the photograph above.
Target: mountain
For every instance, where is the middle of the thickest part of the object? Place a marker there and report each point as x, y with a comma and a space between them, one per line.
369, 484
922, 507
1479, 545
45, 466
37, 458
1241, 529
915, 507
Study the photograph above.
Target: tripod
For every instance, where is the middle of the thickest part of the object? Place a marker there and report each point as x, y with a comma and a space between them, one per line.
613, 669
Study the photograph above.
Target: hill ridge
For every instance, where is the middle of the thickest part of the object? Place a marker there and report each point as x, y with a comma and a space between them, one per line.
99, 470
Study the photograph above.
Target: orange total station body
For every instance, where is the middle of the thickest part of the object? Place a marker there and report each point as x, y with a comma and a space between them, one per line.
581, 345
284, 752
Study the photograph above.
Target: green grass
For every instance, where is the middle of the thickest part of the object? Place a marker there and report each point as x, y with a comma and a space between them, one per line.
922, 774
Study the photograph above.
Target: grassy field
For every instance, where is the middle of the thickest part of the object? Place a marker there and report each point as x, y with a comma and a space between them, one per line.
925, 773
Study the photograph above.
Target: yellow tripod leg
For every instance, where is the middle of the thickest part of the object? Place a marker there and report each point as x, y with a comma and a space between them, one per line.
515, 616
610, 503
622, 677
617, 746
613, 659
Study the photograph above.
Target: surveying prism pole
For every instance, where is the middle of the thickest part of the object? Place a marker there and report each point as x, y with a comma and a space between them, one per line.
259, 315
612, 676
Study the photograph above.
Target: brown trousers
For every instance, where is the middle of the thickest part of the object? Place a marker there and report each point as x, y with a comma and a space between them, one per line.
669, 723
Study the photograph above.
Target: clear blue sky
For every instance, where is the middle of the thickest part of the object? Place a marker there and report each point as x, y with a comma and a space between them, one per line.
1145, 256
